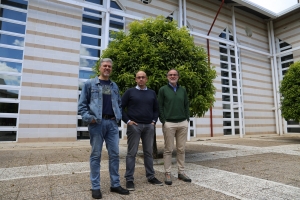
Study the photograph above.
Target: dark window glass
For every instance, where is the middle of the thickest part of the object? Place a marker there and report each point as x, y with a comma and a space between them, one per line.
87, 62
232, 52
293, 130
223, 50
235, 99
231, 37
237, 131
233, 67
9, 107
11, 53
233, 75
225, 90
236, 115
13, 94
226, 115
91, 30
232, 59
11, 14
288, 57
227, 131
90, 41
10, 27
224, 66
116, 16
10, 66
89, 52
92, 19
284, 72
225, 82
286, 65
226, 106
223, 35
15, 3
284, 44
225, 98
8, 135
117, 25
82, 135
227, 123
11, 40
224, 74
9, 80
92, 11
8, 122
99, 2
233, 82
236, 123
234, 90
292, 123
85, 74
224, 58
114, 4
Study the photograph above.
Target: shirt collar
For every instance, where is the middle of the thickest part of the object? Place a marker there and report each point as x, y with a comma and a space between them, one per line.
138, 87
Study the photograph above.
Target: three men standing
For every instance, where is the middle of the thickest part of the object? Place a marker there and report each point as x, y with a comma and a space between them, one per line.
100, 107
174, 114
140, 112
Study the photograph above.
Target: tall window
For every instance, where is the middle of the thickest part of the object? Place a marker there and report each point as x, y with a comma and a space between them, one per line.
13, 15
284, 63
229, 86
92, 37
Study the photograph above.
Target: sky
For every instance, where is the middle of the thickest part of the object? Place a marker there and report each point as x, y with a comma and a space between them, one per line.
275, 5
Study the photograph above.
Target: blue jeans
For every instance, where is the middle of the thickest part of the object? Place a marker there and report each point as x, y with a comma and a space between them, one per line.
107, 131
134, 134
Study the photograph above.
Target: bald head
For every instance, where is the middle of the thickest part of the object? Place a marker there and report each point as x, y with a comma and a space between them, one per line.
141, 79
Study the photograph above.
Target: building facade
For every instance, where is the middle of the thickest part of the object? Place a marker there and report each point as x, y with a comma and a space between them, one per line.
48, 49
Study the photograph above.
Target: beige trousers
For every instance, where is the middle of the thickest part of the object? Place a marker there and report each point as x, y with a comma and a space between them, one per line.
179, 131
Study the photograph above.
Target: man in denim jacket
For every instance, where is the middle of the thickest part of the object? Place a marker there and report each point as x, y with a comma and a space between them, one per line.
100, 107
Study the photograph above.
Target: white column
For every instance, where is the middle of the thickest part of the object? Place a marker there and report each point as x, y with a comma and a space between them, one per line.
180, 13
105, 28
184, 13
276, 78
238, 76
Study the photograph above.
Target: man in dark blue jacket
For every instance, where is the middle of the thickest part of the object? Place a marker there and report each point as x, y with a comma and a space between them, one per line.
140, 112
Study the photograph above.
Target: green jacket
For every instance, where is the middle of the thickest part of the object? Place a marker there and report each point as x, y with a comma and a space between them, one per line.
173, 106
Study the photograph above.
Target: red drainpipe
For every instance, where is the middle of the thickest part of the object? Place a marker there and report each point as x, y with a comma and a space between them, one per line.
208, 55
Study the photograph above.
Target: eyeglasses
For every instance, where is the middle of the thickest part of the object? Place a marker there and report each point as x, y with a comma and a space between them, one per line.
140, 77
172, 74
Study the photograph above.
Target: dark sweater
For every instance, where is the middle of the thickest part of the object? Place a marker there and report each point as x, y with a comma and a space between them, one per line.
173, 106
140, 106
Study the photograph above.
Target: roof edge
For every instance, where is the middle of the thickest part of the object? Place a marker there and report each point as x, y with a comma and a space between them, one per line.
257, 8
288, 10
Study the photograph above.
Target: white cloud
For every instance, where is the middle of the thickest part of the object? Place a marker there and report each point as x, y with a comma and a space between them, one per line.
5, 68
19, 43
84, 51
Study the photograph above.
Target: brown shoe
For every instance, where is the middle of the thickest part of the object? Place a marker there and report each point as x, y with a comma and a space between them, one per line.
184, 177
168, 179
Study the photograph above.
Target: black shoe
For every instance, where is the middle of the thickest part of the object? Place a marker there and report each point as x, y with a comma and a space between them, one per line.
130, 185
96, 194
119, 190
184, 177
154, 181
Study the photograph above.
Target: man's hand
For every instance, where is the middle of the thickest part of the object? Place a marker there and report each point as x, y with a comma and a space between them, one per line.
132, 122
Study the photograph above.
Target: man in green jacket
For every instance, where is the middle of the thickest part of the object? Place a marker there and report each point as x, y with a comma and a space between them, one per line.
174, 114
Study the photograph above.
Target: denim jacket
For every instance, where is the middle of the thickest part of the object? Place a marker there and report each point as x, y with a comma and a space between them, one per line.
90, 102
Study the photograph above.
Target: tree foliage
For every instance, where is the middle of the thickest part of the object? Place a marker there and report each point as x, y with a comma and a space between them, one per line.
290, 93
156, 45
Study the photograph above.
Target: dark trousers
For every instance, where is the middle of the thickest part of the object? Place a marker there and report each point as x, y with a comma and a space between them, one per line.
134, 134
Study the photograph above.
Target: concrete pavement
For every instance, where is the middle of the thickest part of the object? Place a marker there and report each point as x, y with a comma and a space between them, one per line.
254, 167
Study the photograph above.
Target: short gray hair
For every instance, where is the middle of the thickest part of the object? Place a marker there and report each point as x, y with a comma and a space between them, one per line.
106, 60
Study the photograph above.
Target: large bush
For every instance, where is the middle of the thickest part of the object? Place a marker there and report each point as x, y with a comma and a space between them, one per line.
156, 45
290, 93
